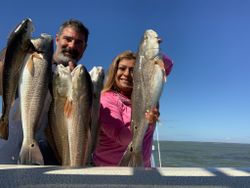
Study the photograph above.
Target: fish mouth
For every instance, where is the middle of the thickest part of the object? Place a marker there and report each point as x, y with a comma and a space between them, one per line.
26, 25
29, 19
30, 26
78, 70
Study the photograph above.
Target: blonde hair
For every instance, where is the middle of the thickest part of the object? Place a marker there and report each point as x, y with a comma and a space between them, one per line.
110, 78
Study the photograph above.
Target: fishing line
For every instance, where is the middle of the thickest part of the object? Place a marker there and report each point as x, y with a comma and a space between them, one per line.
158, 146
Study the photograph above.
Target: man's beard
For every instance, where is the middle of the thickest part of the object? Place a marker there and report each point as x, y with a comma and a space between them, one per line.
63, 59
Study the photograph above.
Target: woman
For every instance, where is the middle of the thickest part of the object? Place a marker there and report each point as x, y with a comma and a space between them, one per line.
115, 115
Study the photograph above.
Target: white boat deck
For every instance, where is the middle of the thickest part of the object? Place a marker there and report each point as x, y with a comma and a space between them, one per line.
115, 177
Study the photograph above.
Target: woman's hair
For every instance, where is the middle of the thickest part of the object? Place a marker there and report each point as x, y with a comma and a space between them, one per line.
110, 78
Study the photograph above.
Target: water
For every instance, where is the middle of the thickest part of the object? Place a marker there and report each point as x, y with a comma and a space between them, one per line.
202, 154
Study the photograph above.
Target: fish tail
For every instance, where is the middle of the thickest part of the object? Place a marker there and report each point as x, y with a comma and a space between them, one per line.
30, 154
137, 160
4, 128
126, 159
132, 158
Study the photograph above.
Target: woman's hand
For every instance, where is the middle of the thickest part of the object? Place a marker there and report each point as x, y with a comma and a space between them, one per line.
152, 116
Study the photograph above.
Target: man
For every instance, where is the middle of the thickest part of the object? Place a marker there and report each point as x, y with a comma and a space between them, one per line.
71, 42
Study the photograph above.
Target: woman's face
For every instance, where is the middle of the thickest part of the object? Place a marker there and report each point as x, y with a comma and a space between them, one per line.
124, 76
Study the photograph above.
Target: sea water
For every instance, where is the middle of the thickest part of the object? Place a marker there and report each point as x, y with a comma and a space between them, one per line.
202, 154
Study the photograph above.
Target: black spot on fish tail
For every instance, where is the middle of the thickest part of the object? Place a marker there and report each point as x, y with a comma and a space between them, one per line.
131, 149
30, 154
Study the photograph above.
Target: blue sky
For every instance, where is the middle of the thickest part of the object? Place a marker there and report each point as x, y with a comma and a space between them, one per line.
207, 96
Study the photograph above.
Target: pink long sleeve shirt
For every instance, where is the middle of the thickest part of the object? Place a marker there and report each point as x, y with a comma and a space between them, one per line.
115, 131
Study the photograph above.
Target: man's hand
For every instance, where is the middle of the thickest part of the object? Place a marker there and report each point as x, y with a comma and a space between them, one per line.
71, 65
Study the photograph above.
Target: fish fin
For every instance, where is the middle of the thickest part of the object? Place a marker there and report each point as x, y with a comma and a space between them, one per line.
68, 108
13, 101
65, 107
2, 56
161, 64
89, 161
4, 129
50, 84
30, 65
30, 154
16, 95
52, 144
125, 159
1, 78
17, 114
36, 55
127, 156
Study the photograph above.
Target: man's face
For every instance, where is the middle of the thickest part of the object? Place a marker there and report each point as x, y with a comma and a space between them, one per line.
70, 46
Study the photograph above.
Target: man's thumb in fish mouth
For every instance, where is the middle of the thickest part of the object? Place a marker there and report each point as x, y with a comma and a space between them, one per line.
71, 65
